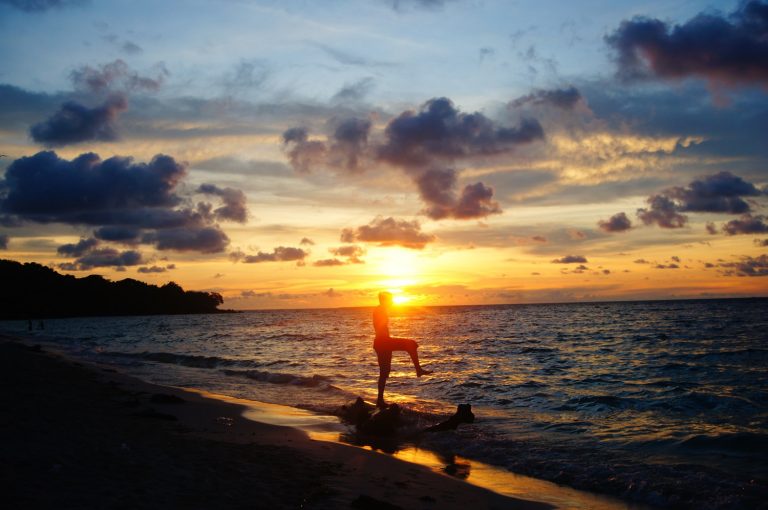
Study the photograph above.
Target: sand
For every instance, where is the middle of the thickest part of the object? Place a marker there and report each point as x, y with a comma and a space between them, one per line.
84, 436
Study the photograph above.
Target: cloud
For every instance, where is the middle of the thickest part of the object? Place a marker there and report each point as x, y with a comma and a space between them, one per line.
344, 150
616, 223
131, 48
389, 232
662, 212
565, 98
747, 266
331, 293
757, 242
77, 249
303, 153
3, 242
203, 239
747, 224
667, 266
305, 241
127, 202
151, 269
354, 92
348, 58
571, 259
641, 261
437, 189
118, 233
721, 49
352, 253
234, 208
117, 76
439, 132
75, 123
104, 257
718, 193
279, 254
41, 5
329, 263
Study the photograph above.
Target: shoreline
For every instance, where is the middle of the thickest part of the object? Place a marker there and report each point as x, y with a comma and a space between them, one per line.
80, 435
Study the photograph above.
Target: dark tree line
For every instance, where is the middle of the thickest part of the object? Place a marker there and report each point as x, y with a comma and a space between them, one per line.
31, 291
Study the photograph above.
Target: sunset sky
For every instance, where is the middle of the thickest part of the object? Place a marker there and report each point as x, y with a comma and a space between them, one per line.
295, 154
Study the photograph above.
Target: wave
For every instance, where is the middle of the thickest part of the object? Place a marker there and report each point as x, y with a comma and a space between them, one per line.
187, 360
741, 442
314, 381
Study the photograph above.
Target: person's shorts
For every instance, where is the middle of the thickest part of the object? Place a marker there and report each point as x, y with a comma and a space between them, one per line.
394, 344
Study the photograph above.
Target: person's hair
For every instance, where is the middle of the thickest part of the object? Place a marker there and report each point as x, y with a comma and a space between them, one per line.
385, 297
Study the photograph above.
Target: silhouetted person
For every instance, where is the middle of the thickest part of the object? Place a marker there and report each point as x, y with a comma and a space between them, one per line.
384, 345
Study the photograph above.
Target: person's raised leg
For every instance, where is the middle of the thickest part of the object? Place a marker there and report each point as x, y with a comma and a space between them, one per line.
385, 365
413, 351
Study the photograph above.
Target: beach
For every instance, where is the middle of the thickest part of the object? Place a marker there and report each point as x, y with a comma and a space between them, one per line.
81, 436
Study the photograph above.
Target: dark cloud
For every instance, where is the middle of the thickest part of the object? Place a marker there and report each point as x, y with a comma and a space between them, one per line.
344, 149
721, 49
718, 193
561, 98
104, 257
711, 228
3, 242
128, 202
350, 140
571, 259
117, 76
234, 208
616, 223
279, 254
152, 269
354, 92
389, 232
75, 123
747, 266
41, 5
747, 224
45, 188
666, 266
761, 242
118, 234
305, 241
439, 132
437, 189
303, 153
203, 239
662, 212
77, 249
641, 261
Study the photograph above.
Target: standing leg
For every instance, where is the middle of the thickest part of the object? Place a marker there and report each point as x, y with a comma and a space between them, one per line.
385, 365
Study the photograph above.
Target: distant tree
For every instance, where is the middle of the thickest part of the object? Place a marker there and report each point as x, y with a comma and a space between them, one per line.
34, 291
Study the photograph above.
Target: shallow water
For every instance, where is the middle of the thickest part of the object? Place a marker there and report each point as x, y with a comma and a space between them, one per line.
660, 402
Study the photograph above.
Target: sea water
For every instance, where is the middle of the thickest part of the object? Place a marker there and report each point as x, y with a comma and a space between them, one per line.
661, 402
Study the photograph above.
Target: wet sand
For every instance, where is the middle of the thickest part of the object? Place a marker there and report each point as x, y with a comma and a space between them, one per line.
82, 436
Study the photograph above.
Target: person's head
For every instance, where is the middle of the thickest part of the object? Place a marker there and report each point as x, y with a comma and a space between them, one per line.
385, 298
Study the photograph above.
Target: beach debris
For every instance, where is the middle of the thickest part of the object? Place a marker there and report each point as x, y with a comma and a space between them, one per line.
225, 420
463, 414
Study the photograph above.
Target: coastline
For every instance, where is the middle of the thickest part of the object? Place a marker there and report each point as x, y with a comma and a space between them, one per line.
80, 435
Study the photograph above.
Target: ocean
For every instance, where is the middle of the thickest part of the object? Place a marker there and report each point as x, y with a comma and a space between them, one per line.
663, 403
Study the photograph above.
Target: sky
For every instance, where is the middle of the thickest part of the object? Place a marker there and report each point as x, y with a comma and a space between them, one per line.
295, 154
